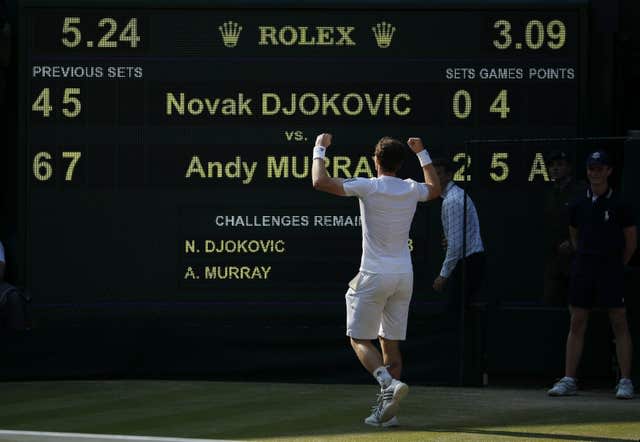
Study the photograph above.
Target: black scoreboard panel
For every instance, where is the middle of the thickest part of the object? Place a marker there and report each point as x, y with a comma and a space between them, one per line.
167, 152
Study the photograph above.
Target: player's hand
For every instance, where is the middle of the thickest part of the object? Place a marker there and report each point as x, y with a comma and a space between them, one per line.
439, 283
444, 243
415, 144
323, 140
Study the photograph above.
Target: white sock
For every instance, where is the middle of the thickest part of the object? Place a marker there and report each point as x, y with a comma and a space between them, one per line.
383, 376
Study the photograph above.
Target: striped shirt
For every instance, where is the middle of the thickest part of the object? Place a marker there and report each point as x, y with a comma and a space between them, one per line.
452, 224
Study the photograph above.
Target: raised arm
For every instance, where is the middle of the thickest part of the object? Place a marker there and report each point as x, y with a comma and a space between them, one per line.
430, 176
321, 179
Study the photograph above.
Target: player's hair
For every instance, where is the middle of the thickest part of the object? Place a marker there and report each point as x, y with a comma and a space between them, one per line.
390, 154
445, 163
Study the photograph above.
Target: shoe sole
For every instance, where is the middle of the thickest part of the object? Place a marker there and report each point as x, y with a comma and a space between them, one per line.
399, 393
624, 398
390, 423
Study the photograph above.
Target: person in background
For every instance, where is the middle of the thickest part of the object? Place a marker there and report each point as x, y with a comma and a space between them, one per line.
604, 237
453, 226
557, 245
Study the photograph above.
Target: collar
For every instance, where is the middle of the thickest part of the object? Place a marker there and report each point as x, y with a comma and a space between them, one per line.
447, 188
607, 195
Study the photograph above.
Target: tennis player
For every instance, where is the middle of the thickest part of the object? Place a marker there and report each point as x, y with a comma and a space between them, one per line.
378, 297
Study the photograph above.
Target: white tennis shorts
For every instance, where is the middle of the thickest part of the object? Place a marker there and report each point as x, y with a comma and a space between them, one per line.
378, 305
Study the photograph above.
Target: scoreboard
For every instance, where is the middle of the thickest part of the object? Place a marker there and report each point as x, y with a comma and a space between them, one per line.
166, 147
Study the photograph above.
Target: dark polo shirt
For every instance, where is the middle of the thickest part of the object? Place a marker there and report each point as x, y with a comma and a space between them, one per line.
600, 224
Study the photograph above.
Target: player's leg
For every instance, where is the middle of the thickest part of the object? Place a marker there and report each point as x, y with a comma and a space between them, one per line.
367, 353
391, 356
366, 299
393, 329
365, 302
392, 390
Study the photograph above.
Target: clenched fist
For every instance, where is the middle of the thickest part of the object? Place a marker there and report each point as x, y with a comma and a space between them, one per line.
415, 144
323, 140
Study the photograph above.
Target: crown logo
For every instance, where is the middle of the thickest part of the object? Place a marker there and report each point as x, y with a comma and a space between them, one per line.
383, 32
230, 32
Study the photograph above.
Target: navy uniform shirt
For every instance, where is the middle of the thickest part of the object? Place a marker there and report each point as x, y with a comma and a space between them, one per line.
600, 224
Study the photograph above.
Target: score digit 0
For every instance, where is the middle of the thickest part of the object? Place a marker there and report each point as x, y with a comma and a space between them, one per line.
42, 103
461, 104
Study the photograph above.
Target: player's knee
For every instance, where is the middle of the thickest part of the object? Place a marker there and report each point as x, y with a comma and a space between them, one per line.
356, 343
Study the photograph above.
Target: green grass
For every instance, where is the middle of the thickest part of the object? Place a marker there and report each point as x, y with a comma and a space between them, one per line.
267, 411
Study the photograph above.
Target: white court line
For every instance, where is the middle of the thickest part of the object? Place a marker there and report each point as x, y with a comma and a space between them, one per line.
20, 436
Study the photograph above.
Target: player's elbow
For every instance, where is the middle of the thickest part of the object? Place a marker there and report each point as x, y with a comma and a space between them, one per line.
434, 192
320, 183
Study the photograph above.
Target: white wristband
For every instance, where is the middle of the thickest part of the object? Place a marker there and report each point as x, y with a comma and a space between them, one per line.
424, 157
318, 152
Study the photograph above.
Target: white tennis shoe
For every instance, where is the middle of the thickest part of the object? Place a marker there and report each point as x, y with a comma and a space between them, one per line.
624, 390
387, 405
564, 387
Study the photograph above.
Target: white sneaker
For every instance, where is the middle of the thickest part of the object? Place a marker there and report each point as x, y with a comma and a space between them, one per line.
387, 404
564, 387
393, 422
624, 390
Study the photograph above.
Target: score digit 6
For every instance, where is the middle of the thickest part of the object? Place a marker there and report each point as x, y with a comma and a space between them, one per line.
43, 169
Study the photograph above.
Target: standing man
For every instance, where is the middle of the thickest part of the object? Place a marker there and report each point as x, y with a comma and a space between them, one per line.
378, 297
453, 219
604, 236
558, 251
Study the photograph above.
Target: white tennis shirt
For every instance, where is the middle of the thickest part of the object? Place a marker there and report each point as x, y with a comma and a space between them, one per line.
387, 206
